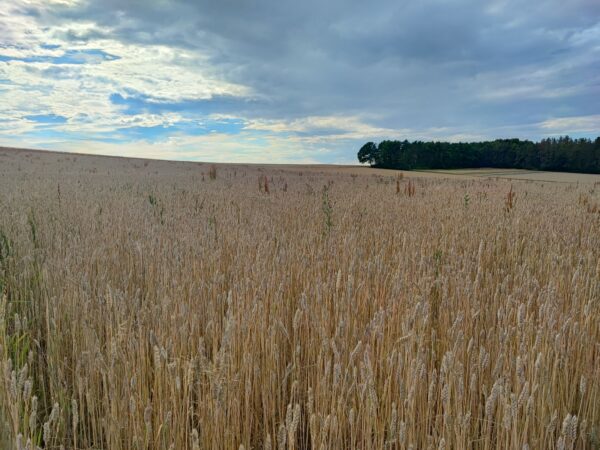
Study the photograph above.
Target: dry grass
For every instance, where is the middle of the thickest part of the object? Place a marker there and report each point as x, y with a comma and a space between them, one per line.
144, 308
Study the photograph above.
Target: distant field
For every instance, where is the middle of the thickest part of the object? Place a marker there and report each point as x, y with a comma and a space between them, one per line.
58, 162
177, 305
517, 174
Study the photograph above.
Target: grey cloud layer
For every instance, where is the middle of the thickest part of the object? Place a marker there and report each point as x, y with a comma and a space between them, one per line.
467, 65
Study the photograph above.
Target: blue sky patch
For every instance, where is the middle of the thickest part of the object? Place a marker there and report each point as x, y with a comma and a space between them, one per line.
146, 133
47, 118
201, 127
91, 56
138, 104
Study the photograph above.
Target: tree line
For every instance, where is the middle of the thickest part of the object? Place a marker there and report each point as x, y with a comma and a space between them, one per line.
562, 154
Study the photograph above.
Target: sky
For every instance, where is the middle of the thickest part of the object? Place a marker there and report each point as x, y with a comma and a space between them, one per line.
291, 81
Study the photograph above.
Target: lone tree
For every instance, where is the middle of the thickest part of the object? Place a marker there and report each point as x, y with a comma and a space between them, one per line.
368, 153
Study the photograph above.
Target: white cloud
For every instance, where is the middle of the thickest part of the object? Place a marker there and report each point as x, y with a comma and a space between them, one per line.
326, 127
579, 124
81, 92
208, 148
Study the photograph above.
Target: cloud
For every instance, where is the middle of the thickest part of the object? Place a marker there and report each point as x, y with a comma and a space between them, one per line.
315, 77
582, 124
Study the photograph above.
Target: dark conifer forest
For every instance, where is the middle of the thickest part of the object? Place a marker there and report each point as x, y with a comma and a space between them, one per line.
562, 154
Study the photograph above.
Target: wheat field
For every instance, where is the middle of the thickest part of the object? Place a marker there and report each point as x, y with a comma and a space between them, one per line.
162, 305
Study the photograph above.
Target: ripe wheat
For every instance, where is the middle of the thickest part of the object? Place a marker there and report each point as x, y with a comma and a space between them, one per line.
215, 316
